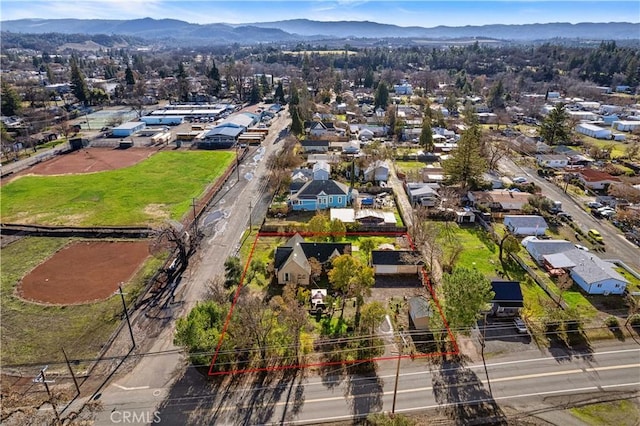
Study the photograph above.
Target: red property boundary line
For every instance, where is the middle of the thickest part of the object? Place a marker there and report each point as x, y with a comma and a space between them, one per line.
425, 278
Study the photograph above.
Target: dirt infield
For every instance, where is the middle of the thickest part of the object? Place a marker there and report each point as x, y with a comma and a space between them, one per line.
83, 272
89, 160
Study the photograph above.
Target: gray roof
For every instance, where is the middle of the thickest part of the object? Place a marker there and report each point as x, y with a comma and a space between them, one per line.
591, 268
526, 221
543, 247
419, 307
330, 187
224, 131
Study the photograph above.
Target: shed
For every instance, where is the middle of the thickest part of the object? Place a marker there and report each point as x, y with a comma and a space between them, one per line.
420, 312
127, 129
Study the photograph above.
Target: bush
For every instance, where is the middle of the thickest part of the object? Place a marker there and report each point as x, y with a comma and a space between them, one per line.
612, 322
634, 320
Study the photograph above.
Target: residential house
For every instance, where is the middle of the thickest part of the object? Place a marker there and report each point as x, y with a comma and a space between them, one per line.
537, 248
498, 200
291, 260
596, 179
365, 134
321, 170
555, 161
423, 194
525, 224
298, 178
507, 300
320, 129
396, 262
314, 146
420, 312
321, 195
378, 171
592, 274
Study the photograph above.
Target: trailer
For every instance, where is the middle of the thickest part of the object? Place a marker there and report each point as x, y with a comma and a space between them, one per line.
169, 120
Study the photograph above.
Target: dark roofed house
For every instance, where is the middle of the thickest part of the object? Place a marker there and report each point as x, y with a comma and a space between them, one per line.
314, 146
321, 195
291, 260
396, 262
507, 300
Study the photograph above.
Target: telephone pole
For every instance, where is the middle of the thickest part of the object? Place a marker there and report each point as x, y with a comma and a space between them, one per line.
126, 313
41, 378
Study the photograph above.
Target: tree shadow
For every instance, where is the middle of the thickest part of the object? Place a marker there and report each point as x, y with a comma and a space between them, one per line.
364, 389
569, 344
462, 396
243, 399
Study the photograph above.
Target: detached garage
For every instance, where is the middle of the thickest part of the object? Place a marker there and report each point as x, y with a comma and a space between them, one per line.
420, 312
396, 262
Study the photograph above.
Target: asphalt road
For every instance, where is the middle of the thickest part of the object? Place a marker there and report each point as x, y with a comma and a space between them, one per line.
527, 380
617, 246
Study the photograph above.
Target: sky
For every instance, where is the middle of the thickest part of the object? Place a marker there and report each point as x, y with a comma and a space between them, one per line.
425, 13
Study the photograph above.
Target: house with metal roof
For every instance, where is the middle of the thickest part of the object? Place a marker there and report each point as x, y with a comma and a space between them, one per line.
507, 299
525, 224
420, 312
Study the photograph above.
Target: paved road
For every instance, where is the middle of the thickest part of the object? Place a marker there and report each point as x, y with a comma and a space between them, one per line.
527, 380
617, 246
151, 379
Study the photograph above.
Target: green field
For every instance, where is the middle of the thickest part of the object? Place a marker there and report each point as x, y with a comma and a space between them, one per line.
159, 188
33, 333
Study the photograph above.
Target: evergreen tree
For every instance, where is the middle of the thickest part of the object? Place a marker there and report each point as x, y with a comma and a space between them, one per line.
254, 96
297, 127
183, 83
294, 98
11, 103
554, 129
279, 96
214, 80
426, 135
382, 95
128, 76
78, 83
496, 95
466, 164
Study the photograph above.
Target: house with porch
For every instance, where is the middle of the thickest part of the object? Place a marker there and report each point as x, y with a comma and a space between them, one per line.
321, 195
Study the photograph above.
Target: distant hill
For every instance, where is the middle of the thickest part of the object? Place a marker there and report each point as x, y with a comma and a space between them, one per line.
304, 29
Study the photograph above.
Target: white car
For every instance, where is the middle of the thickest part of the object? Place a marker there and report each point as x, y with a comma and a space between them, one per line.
520, 326
519, 179
580, 247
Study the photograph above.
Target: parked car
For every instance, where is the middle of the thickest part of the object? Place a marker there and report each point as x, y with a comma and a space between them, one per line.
520, 326
519, 179
581, 247
595, 235
594, 204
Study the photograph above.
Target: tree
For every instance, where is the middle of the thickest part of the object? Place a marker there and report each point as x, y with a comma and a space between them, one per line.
426, 135
496, 95
199, 332
232, 271
466, 293
214, 79
129, 77
297, 127
381, 96
553, 128
319, 226
279, 94
508, 244
183, 83
372, 315
254, 96
11, 103
337, 229
78, 83
466, 163
352, 279
367, 247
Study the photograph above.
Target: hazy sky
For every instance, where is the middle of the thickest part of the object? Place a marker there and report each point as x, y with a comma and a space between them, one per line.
425, 13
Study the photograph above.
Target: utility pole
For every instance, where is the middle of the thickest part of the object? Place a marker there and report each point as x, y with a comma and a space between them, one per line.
395, 386
126, 313
41, 378
249, 216
195, 216
482, 344
73, 376
238, 161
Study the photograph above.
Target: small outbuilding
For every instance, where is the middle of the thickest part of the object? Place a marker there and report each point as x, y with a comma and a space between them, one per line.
127, 129
420, 312
396, 262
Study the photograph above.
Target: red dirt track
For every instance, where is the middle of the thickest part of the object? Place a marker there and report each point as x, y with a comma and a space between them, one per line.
89, 160
84, 271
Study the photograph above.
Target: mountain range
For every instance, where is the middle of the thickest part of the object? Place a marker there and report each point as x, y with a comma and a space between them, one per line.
308, 30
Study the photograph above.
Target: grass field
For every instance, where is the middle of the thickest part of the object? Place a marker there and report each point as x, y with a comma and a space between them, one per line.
33, 333
618, 413
157, 189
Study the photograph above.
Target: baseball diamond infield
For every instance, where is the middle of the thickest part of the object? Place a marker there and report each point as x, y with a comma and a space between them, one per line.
83, 272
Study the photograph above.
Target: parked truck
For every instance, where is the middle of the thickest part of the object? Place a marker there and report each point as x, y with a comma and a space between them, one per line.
556, 207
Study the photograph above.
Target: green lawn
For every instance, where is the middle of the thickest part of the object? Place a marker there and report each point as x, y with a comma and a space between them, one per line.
409, 166
159, 188
479, 250
33, 333
618, 413
619, 148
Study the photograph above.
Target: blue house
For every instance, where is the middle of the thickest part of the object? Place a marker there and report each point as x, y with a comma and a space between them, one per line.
321, 195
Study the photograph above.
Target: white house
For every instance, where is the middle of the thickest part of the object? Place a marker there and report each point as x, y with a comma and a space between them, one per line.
423, 194
592, 274
555, 161
537, 249
525, 224
593, 131
321, 170
377, 171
